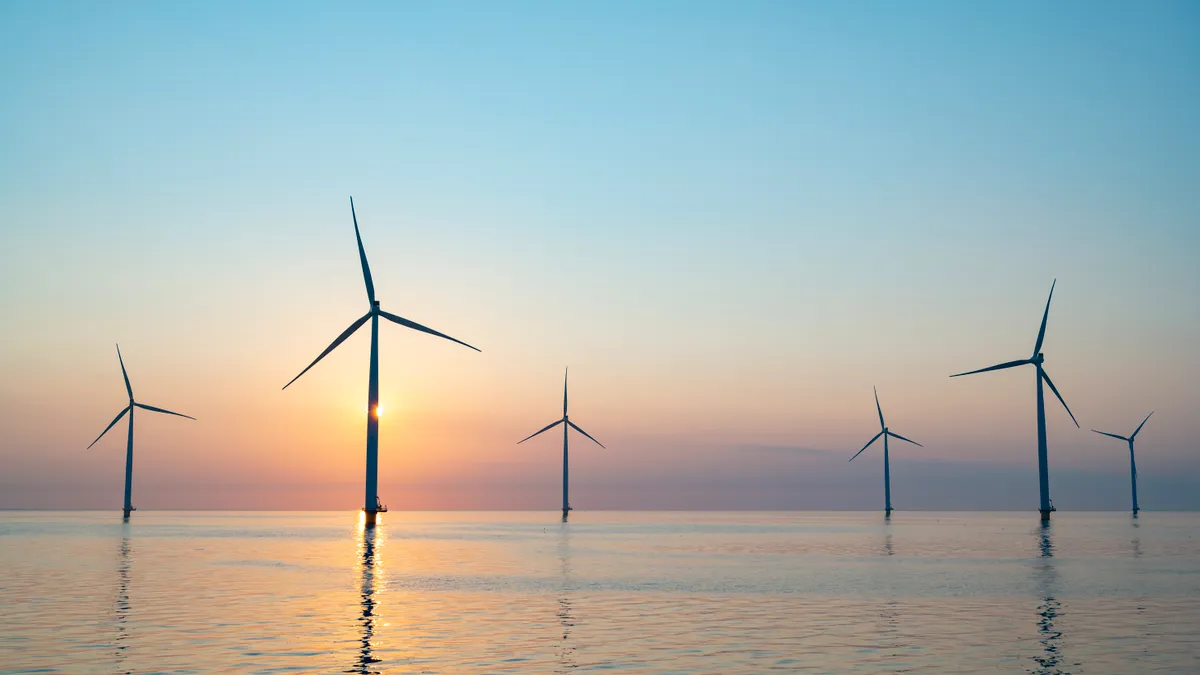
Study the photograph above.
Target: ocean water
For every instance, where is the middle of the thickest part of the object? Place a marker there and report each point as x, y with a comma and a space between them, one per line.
624, 592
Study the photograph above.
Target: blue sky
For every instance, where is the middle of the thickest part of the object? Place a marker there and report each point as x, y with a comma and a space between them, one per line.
730, 219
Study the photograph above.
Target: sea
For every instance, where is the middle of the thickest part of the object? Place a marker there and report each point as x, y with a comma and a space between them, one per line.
612, 592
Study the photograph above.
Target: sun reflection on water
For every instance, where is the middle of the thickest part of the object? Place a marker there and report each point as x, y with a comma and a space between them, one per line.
369, 539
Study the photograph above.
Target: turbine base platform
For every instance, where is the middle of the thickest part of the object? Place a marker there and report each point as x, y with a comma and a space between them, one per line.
369, 517
1046, 514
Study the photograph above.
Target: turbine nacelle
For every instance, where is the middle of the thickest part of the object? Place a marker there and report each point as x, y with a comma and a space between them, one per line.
1038, 359
375, 307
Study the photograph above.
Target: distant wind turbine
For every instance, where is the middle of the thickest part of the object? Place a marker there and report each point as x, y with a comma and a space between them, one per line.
371, 505
1045, 506
887, 474
1132, 463
566, 422
129, 447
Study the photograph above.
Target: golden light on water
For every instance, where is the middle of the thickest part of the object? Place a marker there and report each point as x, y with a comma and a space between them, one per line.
362, 519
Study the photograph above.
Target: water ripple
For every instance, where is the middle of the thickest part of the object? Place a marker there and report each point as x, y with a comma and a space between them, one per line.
621, 592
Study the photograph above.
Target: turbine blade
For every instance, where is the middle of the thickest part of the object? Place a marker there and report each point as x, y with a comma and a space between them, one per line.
867, 445
1105, 433
565, 371
901, 438
1001, 366
1135, 433
881, 424
341, 338
1042, 331
150, 407
416, 326
548, 427
124, 374
362, 256
1060, 398
110, 425
576, 428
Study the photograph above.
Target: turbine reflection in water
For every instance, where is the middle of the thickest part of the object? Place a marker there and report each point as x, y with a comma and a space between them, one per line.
888, 640
566, 617
1050, 610
368, 538
891, 643
121, 608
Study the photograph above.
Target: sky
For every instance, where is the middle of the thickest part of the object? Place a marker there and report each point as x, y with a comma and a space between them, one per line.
731, 220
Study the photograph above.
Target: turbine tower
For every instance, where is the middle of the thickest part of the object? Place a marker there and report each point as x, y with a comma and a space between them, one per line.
887, 473
1046, 506
371, 505
129, 446
1132, 463
566, 422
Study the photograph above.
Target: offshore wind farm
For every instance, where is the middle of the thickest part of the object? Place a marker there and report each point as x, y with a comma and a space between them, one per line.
729, 219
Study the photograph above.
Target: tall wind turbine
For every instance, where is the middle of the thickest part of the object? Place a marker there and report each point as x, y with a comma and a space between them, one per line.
566, 422
887, 473
129, 446
1045, 506
371, 505
1132, 463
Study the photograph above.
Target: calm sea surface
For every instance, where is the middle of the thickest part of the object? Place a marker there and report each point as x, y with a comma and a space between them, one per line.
627, 592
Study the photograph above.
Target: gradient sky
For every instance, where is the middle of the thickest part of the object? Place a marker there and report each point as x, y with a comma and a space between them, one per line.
730, 219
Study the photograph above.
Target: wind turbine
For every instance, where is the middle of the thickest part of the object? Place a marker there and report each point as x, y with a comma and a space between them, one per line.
371, 504
887, 473
1132, 463
1045, 506
129, 447
566, 422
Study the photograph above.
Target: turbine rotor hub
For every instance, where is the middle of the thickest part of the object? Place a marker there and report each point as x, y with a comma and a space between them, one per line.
1038, 358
